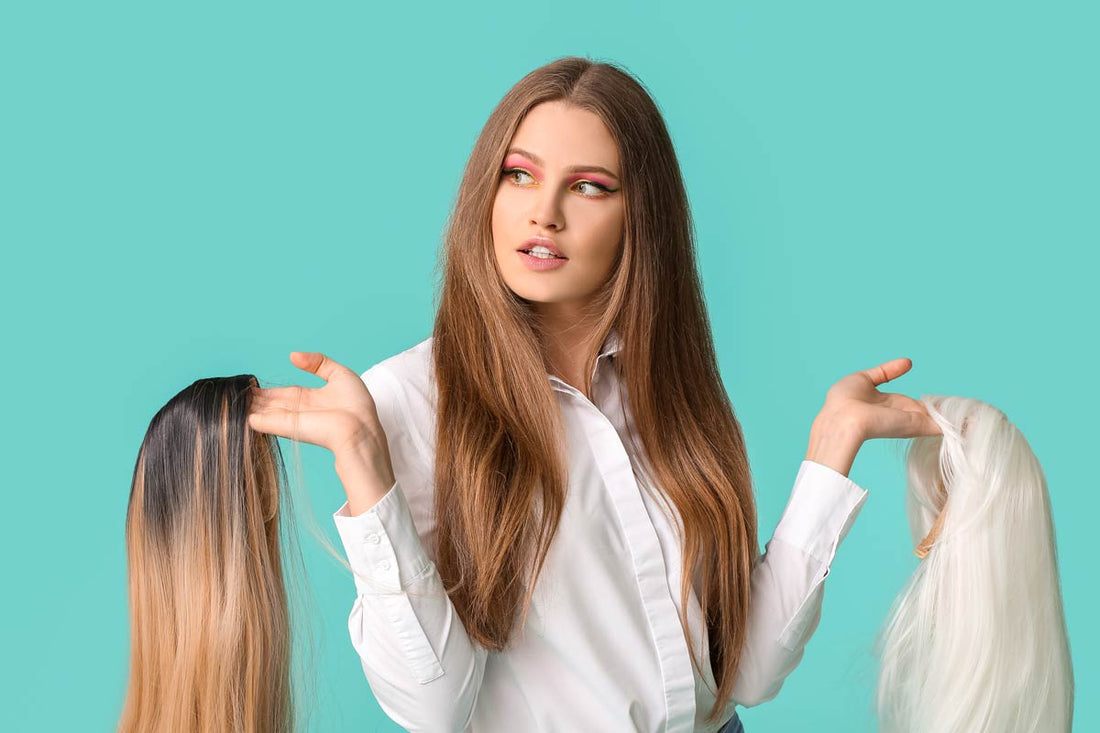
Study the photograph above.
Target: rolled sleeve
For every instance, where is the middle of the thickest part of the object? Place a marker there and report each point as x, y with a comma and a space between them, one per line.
382, 544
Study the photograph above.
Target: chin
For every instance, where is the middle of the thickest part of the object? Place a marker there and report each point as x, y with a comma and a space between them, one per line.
536, 293
533, 295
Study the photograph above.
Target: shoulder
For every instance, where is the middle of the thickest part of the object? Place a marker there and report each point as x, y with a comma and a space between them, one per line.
408, 373
403, 389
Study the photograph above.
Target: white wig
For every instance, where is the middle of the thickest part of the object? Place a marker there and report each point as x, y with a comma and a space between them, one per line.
976, 641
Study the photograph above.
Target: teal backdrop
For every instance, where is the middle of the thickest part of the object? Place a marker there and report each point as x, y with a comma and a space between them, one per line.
197, 189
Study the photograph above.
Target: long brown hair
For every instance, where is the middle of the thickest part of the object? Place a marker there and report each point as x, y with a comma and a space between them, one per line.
209, 613
500, 465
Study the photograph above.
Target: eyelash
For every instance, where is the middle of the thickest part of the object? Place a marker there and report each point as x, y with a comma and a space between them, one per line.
605, 190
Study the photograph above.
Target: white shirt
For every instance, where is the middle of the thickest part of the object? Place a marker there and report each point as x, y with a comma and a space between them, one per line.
604, 647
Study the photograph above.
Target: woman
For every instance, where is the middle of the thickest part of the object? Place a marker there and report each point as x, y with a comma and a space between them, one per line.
555, 483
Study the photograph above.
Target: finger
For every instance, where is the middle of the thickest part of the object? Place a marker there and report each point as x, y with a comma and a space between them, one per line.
316, 363
903, 402
888, 370
276, 421
922, 424
285, 397
889, 423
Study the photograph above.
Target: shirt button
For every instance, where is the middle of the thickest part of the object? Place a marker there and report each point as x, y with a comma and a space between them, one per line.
384, 565
373, 538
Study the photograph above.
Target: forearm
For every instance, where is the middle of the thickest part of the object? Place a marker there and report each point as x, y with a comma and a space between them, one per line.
422, 667
787, 581
834, 442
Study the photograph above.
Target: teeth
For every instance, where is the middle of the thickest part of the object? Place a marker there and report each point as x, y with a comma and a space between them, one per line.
540, 251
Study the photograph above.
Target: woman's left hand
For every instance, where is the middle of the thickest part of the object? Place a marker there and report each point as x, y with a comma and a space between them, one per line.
856, 411
874, 414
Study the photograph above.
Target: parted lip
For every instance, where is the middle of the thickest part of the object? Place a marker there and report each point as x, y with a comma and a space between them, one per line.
545, 242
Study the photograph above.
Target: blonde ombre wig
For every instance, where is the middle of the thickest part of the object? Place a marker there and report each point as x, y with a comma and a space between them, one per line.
209, 605
976, 641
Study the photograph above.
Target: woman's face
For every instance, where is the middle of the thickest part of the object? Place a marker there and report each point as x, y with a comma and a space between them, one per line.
560, 180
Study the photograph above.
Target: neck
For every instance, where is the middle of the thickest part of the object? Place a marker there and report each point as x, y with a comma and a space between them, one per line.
568, 332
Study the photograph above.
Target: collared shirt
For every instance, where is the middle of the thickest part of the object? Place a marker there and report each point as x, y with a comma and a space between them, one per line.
604, 647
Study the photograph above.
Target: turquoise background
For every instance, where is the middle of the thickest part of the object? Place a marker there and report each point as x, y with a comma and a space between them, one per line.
197, 189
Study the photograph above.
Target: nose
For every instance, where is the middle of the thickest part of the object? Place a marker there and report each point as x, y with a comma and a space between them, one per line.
546, 212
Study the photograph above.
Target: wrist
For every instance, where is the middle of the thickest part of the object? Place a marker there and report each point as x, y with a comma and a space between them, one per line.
366, 477
834, 442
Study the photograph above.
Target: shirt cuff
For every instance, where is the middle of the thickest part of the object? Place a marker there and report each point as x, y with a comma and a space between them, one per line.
383, 547
823, 505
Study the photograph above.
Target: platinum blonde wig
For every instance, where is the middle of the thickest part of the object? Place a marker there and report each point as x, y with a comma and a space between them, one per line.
976, 641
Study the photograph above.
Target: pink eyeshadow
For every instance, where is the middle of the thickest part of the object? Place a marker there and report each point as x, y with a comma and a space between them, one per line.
517, 162
593, 178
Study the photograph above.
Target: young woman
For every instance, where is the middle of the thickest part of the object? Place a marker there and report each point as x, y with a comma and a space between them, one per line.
549, 510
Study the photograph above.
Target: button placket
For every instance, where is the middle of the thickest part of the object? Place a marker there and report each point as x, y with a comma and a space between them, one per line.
616, 468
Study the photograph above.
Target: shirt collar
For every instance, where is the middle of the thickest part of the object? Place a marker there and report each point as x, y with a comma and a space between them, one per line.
612, 343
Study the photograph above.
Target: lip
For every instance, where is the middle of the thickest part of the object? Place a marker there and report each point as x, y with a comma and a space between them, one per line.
540, 264
545, 242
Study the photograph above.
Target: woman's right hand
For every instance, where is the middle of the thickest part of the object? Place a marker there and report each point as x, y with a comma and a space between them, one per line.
340, 416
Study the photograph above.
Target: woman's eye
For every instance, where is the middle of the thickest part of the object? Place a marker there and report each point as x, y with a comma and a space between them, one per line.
596, 190
513, 172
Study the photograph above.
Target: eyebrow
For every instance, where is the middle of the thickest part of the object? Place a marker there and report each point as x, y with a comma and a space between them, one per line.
575, 169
